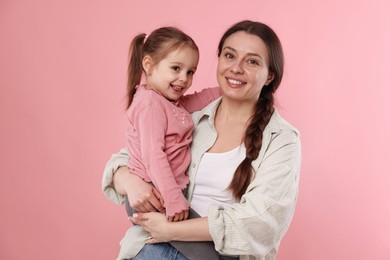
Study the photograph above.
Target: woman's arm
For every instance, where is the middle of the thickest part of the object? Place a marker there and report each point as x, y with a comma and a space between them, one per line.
142, 196
161, 230
116, 161
258, 220
256, 225
118, 183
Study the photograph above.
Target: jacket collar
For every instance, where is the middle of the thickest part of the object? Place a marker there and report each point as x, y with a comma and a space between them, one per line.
275, 124
209, 111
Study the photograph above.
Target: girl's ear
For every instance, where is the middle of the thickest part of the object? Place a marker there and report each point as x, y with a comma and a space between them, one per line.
147, 64
270, 78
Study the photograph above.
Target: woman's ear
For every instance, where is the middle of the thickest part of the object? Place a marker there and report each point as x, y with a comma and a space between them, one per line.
270, 78
147, 64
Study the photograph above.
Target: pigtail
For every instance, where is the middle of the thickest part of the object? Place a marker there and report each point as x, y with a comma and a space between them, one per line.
134, 70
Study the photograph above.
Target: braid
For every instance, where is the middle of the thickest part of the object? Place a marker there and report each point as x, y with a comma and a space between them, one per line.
253, 140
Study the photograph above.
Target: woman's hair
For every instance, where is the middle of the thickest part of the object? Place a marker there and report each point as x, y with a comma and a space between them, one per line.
157, 45
264, 107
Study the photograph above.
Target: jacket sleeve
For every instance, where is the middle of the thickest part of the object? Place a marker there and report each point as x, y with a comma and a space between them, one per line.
258, 222
117, 160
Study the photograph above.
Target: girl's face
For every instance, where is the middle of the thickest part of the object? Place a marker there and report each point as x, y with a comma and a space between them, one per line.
243, 67
172, 76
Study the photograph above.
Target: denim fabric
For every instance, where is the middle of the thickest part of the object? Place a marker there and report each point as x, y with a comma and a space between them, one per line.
169, 251
163, 251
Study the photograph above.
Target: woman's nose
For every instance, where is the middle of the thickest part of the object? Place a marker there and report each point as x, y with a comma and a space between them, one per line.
237, 67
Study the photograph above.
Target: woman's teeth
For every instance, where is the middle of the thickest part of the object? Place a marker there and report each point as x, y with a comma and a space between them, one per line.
235, 82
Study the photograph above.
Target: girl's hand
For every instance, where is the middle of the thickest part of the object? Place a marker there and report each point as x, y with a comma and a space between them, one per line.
179, 216
156, 224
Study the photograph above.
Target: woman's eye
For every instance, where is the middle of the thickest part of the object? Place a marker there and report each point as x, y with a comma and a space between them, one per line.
253, 62
229, 55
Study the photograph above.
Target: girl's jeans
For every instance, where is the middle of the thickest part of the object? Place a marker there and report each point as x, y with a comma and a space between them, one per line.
165, 251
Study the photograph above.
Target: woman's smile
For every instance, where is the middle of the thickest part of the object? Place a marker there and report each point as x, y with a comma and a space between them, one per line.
235, 83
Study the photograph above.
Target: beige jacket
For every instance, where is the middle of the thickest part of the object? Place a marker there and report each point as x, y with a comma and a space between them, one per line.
254, 227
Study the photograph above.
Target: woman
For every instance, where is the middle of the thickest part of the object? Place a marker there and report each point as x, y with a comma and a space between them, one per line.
245, 161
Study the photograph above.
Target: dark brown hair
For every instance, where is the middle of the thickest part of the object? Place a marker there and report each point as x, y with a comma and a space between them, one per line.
265, 104
157, 45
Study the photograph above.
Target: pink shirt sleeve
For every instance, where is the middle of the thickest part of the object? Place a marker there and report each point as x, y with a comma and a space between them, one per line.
198, 100
152, 126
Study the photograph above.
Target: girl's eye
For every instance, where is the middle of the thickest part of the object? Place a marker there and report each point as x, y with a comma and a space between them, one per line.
176, 68
190, 72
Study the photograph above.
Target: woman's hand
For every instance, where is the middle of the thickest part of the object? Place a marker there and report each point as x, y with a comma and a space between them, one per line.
142, 196
183, 215
161, 230
156, 224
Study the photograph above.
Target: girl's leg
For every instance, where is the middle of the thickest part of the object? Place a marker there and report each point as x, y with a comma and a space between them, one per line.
163, 251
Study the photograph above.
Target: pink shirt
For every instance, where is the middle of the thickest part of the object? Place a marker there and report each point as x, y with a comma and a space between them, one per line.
159, 135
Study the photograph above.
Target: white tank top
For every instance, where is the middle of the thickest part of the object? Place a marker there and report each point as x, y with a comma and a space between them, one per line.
214, 175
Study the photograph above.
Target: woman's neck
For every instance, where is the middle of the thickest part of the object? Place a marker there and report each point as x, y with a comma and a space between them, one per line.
231, 121
234, 111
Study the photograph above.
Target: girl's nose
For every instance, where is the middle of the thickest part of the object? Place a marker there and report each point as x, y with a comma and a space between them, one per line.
184, 77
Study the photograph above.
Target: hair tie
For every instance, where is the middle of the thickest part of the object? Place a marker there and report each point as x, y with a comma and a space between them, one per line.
249, 157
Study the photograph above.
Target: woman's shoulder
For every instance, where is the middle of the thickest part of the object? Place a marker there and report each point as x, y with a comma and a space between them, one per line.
278, 123
207, 111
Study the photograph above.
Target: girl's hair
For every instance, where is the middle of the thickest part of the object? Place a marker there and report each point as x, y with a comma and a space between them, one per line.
157, 45
264, 107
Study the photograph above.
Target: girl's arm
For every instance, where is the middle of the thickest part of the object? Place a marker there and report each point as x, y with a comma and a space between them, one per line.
152, 124
118, 183
198, 100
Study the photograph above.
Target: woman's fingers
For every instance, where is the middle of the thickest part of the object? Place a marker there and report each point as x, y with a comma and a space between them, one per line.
138, 218
155, 223
159, 202
151, 241
142, 196
142, 205
148, 203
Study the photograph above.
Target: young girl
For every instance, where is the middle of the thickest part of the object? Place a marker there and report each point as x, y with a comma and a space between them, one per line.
160, 127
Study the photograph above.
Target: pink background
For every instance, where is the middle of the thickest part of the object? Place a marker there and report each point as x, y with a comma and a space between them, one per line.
62, 79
